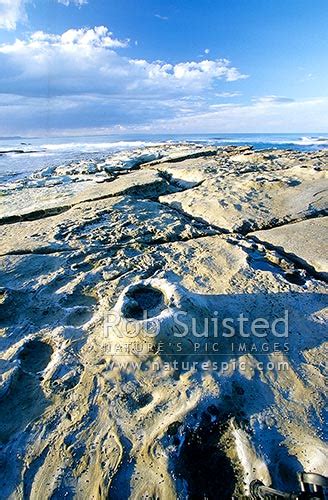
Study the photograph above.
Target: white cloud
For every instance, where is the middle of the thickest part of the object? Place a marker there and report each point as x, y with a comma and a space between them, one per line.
163, 18
11, 13
98, 37
204, 70
79, 3
81, 76
272, 99
87, 61
82, 80
269, 116
228, 94
103, 114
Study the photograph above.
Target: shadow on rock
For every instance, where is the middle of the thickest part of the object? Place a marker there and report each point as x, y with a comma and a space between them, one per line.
25, 400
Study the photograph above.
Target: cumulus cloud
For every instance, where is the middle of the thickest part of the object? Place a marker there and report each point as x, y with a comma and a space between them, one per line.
99, 37
88, 61
11, 13
83, 80
83, 76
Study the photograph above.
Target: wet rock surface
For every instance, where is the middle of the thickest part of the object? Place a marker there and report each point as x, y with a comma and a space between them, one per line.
98, 400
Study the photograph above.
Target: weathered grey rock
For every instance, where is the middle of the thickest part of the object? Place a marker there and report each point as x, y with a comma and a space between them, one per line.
8, 373
96, 402
96, 398
185, 153
243, 193
305, 242
109, 223
31, 203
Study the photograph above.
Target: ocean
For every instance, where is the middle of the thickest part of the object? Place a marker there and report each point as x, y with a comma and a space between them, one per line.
31, 154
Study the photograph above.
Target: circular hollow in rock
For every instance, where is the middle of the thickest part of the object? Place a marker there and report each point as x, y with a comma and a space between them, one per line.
35, 356
143, 302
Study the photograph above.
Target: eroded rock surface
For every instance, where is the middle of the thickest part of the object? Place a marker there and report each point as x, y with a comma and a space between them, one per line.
32, 203
251, 191
305, 241
98, 399
104, 224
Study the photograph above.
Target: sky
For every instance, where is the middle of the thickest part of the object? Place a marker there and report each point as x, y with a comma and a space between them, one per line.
163, 66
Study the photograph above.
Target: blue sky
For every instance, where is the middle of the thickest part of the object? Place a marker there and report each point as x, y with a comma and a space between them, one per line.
155, 66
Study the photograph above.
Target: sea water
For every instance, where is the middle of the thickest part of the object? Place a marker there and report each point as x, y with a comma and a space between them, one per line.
34, 153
